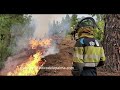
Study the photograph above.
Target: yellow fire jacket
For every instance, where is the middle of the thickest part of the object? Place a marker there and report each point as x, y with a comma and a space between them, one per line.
88, 51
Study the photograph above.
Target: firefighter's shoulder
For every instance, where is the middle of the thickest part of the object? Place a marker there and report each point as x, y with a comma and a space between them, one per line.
79, 42
98, 43
92, 42
89, 42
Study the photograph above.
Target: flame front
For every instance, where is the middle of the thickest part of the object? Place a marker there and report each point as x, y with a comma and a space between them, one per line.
34, 43
28, 68
31, 66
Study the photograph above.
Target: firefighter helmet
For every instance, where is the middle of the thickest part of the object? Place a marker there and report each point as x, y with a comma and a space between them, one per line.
86, 25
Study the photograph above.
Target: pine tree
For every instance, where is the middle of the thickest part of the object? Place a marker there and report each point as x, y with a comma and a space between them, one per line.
74, 20
112, 42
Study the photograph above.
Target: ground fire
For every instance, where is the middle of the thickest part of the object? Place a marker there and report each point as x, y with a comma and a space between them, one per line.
32, 65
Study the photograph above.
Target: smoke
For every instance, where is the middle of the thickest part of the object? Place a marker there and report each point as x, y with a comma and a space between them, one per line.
21, 35
52, 50
42, 29
61, 28
39, 28
41, 25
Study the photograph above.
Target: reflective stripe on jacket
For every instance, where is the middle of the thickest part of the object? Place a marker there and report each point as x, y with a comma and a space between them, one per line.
88, 51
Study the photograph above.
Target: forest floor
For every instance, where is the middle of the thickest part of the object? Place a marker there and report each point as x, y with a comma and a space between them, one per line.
64, 59
61, 62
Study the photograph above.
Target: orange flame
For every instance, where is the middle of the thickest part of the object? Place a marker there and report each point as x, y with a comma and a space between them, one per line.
34, 43
31, 66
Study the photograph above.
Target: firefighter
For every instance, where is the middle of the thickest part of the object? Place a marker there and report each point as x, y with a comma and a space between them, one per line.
88, 52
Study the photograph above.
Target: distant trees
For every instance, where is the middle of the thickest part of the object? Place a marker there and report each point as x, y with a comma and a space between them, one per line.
101, 23
60, 28
10, 21
74, 20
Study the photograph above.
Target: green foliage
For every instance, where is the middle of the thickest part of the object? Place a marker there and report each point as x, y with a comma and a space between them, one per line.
99, 33
99, 16
100, 22
60, 28
74, 20
1, 64
6, 22
4, 53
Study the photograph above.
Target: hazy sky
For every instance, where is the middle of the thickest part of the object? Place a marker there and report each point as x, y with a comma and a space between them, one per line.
57, 17
42, 21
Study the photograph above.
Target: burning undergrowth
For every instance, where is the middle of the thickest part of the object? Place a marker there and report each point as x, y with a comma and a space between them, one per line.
32, 65
32, 46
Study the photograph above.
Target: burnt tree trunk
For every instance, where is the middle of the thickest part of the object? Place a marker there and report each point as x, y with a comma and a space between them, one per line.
111, 42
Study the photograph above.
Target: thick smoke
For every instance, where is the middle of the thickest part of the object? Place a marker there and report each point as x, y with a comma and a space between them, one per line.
39, 28
61, 28
52, 50
21, 35
41, 25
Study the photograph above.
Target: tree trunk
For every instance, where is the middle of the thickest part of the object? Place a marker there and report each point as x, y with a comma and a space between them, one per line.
111, 42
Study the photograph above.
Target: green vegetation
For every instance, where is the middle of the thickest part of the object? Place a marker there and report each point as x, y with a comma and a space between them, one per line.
74, 20
101, 23
6, 22
63, 28
67, 25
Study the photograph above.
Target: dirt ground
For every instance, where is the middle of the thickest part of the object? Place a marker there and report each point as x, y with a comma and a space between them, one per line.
64, 59
57, 65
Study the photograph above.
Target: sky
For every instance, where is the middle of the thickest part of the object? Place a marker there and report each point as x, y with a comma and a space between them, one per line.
57, 17
42, 21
